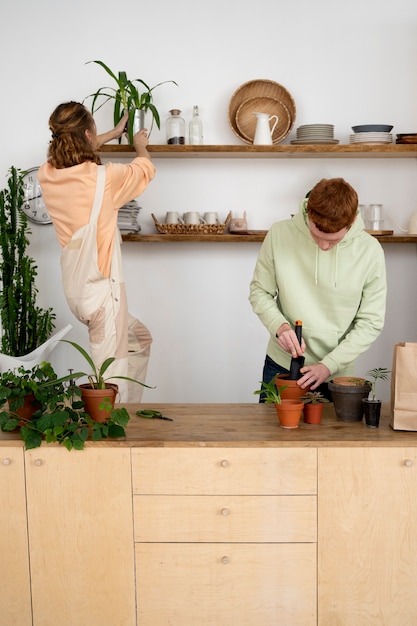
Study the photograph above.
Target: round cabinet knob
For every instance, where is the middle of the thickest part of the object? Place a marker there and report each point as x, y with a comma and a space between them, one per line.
6, 461
225, 511
408, 463
225, 560
225, 463
38, 462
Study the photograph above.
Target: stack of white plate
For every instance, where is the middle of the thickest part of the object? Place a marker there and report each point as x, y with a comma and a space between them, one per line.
371, 138
315, 133
127, 218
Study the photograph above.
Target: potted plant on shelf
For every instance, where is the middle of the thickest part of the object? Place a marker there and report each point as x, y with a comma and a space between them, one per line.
313, 406
372, 405
127, 97
24, 325
288, 409
347, 393
55, 413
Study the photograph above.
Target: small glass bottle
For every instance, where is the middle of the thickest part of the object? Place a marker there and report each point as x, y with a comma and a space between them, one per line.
175, 128
195, 129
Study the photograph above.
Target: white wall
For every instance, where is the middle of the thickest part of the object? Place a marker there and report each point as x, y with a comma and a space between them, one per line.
344, 63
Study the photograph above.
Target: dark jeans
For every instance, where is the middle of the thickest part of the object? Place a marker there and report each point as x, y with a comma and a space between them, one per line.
271, 369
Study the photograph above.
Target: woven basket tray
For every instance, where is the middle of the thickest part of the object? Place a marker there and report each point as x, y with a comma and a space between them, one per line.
265, 91
191, 229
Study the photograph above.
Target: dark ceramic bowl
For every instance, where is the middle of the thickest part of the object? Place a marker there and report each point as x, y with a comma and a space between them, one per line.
372, 128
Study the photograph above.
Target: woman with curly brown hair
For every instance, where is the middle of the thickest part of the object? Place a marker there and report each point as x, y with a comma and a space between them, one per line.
83, 197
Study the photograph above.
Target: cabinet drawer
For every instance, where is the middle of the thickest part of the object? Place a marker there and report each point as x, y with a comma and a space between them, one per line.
210, 471
225, 518
228, 584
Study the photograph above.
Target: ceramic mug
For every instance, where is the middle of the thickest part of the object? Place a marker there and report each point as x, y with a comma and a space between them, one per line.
376, 217
173, 217
211, 217
193, 217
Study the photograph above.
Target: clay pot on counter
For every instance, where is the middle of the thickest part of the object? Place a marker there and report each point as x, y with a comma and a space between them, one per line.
293, 391
312, 413
289, 412
92, 399
347, 400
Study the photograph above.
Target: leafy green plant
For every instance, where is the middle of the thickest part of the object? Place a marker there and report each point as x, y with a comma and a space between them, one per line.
25, 326
58, 412
127, 97
270, 392
381, 373
314, 397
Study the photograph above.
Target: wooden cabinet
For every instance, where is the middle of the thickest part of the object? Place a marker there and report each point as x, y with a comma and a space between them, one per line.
367, 536
219, 518
225, 536
15, 605
80, 537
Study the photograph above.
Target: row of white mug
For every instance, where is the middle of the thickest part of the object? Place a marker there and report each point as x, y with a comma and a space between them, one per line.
192, 217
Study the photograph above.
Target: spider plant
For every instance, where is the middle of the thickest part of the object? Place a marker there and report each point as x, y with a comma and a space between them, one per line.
96, 377
270, 392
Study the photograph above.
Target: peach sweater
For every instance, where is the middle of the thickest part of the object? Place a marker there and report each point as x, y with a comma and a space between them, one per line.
69, 193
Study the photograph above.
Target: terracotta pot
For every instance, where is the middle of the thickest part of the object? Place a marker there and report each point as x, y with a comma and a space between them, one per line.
289, 413
92, 399
347, 400
293, 391
26, 411
312, 413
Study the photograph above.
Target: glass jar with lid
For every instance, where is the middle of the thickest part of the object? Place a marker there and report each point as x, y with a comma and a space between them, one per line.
175, 128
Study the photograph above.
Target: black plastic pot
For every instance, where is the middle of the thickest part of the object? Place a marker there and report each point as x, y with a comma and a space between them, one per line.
372, 410
347, 400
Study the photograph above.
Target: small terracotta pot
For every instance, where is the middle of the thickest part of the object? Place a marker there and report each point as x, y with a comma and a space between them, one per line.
29, 407
312, 413
293, 391
92, 399
289, 413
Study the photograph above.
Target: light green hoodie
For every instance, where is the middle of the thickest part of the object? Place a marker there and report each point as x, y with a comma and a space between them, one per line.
339, 294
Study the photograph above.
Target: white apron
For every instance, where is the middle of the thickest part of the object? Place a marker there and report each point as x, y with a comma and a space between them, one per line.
101, 303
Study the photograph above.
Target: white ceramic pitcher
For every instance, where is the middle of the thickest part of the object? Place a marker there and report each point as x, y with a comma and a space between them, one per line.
263, 132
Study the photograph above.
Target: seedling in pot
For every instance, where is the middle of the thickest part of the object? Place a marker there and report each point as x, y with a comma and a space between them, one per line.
378, 372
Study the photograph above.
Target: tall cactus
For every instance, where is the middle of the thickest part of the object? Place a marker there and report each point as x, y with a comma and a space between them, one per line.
24, 325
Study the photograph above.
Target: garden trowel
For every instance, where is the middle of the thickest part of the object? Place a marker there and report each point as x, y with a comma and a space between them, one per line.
297, 362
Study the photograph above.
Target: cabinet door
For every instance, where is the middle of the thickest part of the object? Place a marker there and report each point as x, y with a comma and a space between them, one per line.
226, 584
81, 536
15, 609
367, 536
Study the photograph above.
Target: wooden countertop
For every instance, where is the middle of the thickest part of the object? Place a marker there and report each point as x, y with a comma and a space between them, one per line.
242, 425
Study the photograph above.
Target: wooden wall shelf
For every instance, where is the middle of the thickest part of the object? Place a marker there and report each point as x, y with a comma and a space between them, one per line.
269, 152
253, 236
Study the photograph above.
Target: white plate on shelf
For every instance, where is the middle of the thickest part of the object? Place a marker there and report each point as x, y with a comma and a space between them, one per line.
311, 141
